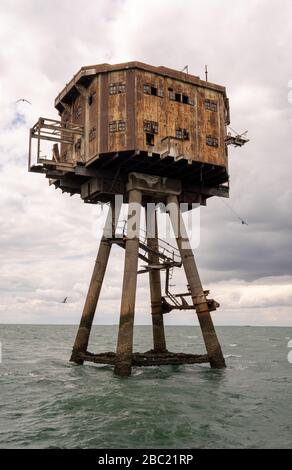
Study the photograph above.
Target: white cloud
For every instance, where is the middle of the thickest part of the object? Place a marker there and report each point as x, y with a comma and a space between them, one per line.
49, 241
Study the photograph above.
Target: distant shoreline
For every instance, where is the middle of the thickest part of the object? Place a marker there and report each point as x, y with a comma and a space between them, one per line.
146, 325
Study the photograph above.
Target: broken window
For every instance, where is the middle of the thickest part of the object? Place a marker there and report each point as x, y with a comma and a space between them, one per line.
113, 126
112, 89
121, 126
151, 126
211, 141
121, 88
117, 126
182, 134
117, 88
187, 100
211, 105
171, 95
149, 138
152, 90
179, 97
147, 89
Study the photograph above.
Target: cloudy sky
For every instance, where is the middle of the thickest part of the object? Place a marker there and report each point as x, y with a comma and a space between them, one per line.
49, 240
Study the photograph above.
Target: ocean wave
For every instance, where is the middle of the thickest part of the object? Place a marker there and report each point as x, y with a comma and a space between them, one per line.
227, 356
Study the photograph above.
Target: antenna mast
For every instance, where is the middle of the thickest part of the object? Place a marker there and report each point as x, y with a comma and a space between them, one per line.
185, 69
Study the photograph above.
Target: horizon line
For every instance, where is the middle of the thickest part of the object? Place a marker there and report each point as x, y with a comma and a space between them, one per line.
141, 324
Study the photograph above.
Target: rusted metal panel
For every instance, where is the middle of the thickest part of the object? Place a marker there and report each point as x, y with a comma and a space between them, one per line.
117, 125
171, 102
93, 134
103, 114
181, 115
78, 107
150, 109
85, 74
152, 119
131, 108
211, 132
179, 110
95, 186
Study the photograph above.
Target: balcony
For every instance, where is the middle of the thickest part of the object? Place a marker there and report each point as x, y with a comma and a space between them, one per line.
50, 130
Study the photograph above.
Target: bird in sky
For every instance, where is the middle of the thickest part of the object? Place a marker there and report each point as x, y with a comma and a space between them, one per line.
64, 301
23, 100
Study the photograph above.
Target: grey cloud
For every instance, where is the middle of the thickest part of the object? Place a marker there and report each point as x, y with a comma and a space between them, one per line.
49, 241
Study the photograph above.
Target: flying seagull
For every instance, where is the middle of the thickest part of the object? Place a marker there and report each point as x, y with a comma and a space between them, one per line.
64, 301
24, 100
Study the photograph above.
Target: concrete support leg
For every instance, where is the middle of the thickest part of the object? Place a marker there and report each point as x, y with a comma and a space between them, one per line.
199, 300
83, 333
155, 286
125, 336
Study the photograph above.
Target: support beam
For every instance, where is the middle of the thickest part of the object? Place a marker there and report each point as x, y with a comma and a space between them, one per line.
199, 300
83, 333
125, 336
155, 283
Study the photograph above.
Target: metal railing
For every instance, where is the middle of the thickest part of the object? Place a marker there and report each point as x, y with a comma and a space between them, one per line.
166, 251
53, 131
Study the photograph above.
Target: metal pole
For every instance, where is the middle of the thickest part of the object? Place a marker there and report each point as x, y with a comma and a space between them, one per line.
83, 333
155, 287
212, 344
125, 336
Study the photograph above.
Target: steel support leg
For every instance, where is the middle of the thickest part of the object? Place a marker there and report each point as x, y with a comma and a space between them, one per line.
125, 336
155, 286
199, 300
83, 333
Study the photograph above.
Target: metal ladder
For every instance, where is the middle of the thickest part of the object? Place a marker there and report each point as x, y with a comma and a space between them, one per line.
169, 258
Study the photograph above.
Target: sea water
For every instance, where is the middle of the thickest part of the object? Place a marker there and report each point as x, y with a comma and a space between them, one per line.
47, 402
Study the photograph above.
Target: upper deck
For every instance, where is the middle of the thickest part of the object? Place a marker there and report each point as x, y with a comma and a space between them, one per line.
136, 117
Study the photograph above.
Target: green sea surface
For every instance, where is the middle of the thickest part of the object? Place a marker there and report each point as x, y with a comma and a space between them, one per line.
47, 402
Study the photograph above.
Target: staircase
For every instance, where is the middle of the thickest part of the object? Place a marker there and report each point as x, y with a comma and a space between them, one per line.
169, 258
